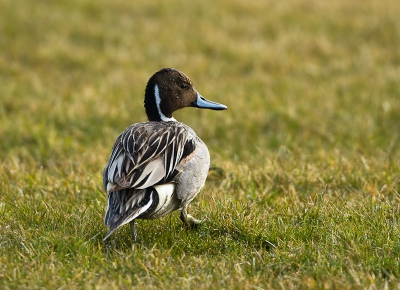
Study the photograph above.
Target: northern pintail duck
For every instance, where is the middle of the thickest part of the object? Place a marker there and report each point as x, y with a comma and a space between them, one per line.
159, 166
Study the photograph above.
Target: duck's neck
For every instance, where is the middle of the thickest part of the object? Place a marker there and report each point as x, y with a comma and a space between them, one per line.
152, 103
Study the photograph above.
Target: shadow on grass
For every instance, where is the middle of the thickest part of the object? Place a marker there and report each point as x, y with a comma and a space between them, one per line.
208, 239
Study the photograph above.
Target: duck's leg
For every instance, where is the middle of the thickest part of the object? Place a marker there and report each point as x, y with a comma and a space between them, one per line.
188, 220
133, 230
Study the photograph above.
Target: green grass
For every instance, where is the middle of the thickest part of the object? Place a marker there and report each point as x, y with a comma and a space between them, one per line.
306, 195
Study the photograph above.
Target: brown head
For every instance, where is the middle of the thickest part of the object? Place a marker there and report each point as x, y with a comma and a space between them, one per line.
169, 90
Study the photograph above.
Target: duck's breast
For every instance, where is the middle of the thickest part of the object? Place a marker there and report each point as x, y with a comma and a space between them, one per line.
194, 173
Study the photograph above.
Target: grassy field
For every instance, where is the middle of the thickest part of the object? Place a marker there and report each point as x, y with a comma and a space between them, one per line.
306, 191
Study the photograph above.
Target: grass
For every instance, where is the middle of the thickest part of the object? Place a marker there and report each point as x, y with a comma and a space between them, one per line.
306, 191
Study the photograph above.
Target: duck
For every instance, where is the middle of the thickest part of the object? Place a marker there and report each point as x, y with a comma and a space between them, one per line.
159, 166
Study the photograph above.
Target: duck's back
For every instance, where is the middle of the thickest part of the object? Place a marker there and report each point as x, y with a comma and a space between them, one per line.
147, 154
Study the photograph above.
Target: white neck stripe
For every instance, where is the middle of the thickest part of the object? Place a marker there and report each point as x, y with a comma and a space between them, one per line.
158, 102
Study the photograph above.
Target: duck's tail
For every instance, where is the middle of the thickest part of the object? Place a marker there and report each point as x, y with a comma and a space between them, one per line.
126, 205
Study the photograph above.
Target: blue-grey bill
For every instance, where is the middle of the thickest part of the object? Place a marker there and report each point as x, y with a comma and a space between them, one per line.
203, 103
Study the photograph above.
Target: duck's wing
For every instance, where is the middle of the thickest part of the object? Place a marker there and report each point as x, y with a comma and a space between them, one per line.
147, 154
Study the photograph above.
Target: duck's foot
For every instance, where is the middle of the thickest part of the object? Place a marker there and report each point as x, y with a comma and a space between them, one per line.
188, 220
133, 230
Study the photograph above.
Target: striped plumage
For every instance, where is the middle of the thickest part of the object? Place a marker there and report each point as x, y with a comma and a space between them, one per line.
158, 166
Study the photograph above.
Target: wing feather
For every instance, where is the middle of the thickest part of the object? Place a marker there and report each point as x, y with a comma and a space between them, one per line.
146, 154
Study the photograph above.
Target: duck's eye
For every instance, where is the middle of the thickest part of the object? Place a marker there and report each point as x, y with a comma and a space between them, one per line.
183, 86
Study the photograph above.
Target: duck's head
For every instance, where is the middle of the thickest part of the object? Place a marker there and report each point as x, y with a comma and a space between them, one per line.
169, 90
